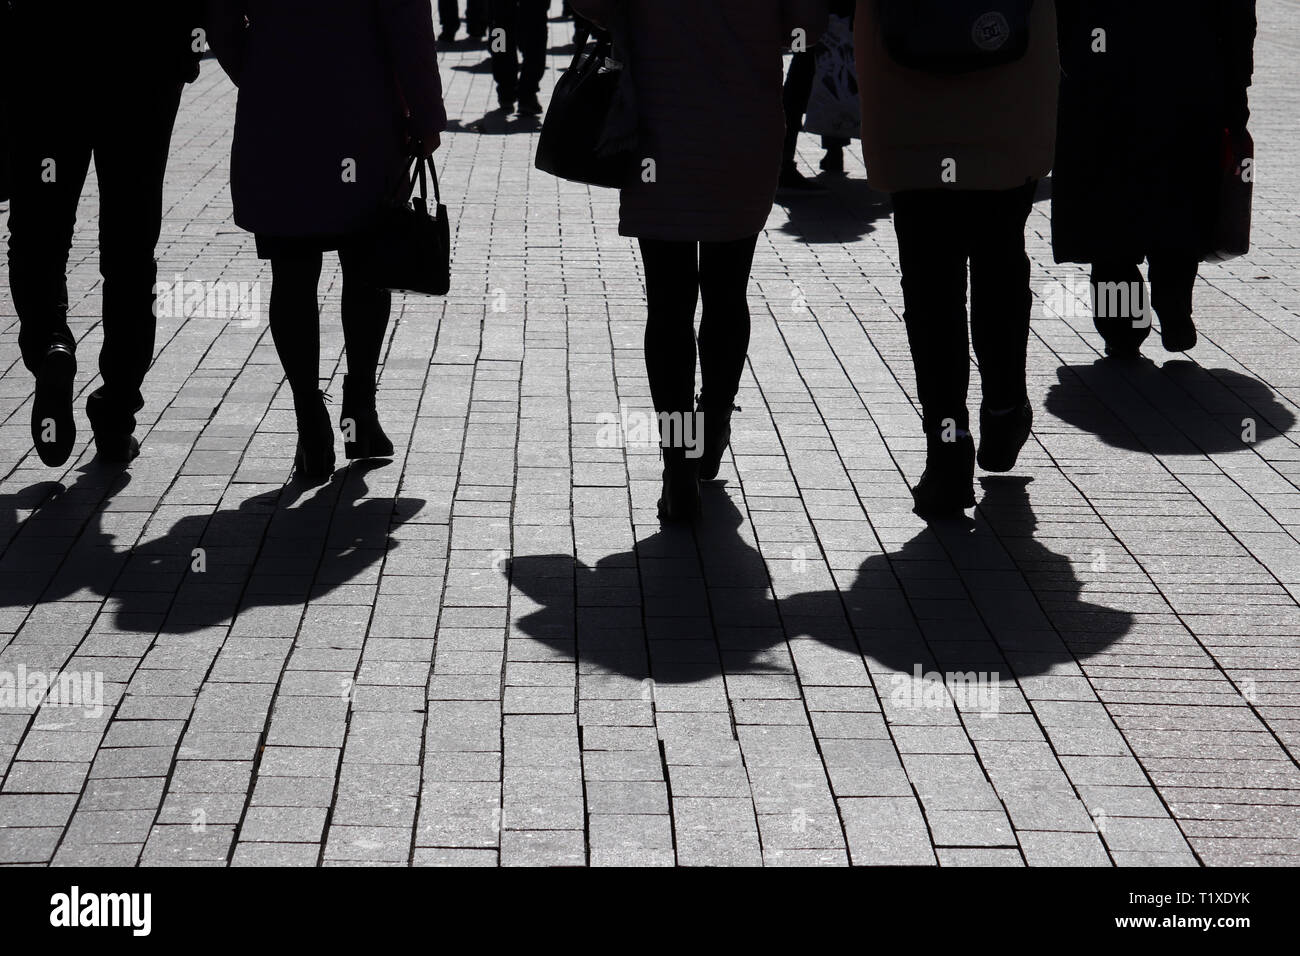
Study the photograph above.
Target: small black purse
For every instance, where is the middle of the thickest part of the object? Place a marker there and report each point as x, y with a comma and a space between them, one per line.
590, 130
409, 250
955, 36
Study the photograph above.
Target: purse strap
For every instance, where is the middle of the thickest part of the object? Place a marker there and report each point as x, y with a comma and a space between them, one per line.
418, 177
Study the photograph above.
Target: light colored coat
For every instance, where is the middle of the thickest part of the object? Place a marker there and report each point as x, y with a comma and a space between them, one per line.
998, 125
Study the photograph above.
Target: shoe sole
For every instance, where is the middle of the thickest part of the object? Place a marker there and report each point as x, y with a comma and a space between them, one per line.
54, 386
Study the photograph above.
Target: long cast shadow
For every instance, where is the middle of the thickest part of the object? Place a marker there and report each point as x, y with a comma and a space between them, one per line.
207, 567
681, 608
1180, 408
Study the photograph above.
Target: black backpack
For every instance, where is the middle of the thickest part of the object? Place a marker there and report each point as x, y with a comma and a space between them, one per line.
955, 36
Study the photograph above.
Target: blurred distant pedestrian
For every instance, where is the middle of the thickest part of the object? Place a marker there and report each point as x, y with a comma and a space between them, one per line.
1150, 91
476, 19
330, 93
84, 81
517, 42
795, 95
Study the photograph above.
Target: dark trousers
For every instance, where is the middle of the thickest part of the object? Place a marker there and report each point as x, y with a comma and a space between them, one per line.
524, 39
678, 275
295, 315
939, 231
1121, 318
127, 130
476, 16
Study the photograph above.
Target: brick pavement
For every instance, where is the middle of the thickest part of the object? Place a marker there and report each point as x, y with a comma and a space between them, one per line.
486, 651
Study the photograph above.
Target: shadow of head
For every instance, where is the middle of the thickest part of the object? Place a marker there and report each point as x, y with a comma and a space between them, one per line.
1180, 408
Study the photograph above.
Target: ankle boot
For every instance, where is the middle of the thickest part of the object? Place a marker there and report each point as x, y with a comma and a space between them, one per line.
947, 486
717, 436
680, 501
314, 461
1002, 435
363, 436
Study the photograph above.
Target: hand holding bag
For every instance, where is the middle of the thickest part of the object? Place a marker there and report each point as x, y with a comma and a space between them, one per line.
409, 250
590, 130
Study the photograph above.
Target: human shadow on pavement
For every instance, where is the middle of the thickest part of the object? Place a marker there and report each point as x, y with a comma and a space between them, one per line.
1180, 408
271, 549
846, 212
682, 607
497, 123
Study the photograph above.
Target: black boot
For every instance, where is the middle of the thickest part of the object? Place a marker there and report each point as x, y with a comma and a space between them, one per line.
363, 436
54, 430
113, 422
1002, 435
717, 436
1177, 332
314, 461
947, 486
680, 501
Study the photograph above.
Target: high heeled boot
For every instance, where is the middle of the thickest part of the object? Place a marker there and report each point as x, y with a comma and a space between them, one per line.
314, 460
363, 436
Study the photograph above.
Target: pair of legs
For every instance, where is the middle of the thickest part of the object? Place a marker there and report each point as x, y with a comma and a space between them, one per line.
678, 275
1119, 302
295, 315
939, 232
295, 328
475, 18
518, 32
51, 158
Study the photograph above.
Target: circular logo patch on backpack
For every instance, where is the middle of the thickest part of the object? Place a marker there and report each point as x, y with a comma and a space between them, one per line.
991, 32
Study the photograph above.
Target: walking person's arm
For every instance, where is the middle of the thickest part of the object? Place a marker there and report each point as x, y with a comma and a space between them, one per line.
1239, 26
226, 23
408, 31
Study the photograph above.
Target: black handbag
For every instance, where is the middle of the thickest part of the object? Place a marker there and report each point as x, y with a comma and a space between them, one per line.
1231, 237
590, 131
955, 36
408, 250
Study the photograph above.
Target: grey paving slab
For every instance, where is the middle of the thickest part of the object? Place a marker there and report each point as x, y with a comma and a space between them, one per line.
485, 652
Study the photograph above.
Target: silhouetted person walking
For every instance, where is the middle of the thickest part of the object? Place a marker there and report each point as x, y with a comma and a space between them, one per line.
1147, 92
961, 153
330, 91
708, 83
476, 19
799, 79
85, 80
517, 43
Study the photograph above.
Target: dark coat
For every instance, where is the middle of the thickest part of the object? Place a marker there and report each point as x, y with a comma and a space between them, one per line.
92, 41
324, 89
708, 78
1140, 141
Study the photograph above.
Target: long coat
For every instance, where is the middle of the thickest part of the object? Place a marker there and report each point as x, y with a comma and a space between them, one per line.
324, 89
1144, 105
708, 79
997, 124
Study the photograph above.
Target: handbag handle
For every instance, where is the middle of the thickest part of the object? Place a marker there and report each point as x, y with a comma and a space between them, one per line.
418, 177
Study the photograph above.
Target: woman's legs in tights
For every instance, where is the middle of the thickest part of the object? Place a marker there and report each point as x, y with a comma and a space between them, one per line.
365, 321
678, 274
295, 317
